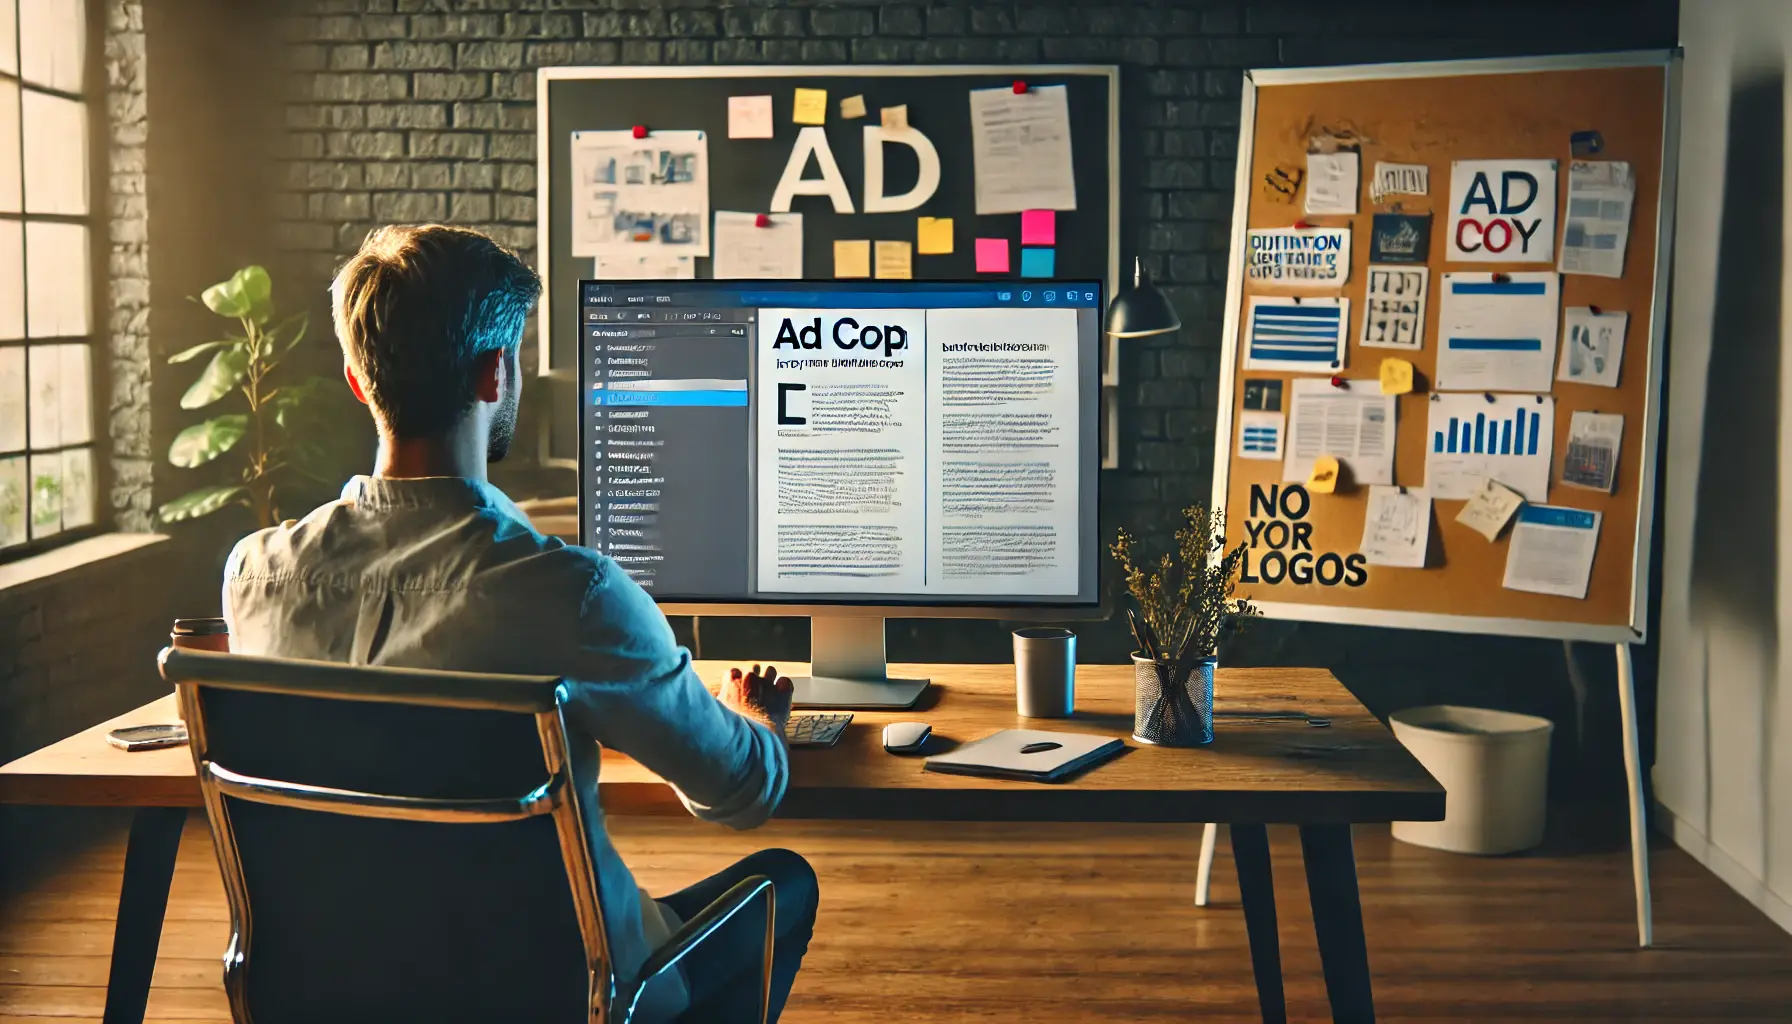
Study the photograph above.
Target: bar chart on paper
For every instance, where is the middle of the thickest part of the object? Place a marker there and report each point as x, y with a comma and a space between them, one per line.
1505, 437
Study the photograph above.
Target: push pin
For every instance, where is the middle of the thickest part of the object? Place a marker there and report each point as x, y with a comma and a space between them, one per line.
761, 221
1502, 278
1301, 225
1340, 383
1593, 309
640, 131
1489, 396
1019, 87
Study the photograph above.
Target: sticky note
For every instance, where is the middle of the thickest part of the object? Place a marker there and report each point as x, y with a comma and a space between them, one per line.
1039, 227
896, 118
933, 236
852, 258
1396, 376
895, 261
992, 255
1324, 478
749, 117
811, 107
852, 107
1037, 262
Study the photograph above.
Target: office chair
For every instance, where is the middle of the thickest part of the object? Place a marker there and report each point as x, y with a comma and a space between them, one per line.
398, 844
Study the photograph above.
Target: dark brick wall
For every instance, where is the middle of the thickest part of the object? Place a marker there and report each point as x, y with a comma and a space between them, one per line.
405, 110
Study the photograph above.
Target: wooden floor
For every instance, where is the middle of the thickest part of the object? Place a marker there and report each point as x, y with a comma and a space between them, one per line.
947, 923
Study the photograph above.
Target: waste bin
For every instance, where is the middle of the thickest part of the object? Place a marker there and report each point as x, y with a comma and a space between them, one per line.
1494, 767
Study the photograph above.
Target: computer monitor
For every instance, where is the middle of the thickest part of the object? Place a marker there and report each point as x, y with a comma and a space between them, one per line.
845, 450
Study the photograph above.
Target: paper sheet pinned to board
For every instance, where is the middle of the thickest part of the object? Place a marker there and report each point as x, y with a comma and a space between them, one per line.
1597, 230
1355, 425
1397, 527
745, 251
1552, 551
1504, 437
645, 267
1497, 332
1592, 457
1020, 149
1332, 181
1260, 435
637, 196
1394, 307
1593, 350
1399, 180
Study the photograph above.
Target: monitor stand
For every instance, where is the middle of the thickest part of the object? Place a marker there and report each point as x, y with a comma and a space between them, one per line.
846, 654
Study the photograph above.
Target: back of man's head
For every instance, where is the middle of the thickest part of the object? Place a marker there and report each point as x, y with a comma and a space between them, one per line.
414, 310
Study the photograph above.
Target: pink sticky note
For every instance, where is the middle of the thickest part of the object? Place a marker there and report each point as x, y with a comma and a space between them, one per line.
992, 255
1039, 227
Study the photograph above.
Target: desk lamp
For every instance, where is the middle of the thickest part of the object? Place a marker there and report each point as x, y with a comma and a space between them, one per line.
1141, 310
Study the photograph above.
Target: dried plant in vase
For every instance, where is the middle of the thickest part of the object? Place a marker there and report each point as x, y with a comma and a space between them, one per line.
1186, 606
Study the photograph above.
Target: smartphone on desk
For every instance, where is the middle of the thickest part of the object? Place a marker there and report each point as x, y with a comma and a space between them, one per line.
147, 737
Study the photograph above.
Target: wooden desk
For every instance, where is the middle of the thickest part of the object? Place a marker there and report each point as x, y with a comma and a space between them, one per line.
1257, 771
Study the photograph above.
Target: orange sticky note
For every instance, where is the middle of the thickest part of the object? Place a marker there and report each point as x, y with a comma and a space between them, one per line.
852, 107
933, 236
1324, 478
811, 107
992, 255
895, 261
896, 118
852, 258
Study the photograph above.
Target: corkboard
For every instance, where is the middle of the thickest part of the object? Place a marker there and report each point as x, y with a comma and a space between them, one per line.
1435, 120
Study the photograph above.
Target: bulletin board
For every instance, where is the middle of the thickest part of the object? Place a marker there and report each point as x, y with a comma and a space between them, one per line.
1434, 114
744, 173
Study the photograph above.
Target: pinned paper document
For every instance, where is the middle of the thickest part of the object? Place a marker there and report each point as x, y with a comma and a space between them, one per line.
1505, 437
1600, 195
1491, 506
1394, 307
895, 261
1037, 262
1020, 149
1399, 180
1332, 180
895, 119
810, 107
1593, 350
852, 108
1396, 376
992, 255
933, 236
746, 251
1353, 426
1324, 477
749, 117
1552, 551
638, 197
1299, 334
1593, 443
1039, 227
1497, 332
1260, 435
1397, 527
852, 258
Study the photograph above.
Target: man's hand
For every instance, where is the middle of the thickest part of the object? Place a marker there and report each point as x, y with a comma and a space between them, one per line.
760, 695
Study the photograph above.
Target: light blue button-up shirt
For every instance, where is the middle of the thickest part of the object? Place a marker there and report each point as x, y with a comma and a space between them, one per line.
447, 573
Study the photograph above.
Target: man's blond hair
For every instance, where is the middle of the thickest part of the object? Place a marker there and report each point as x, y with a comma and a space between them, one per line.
415, 307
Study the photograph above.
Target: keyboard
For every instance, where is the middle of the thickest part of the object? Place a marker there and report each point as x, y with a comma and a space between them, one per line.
816, 730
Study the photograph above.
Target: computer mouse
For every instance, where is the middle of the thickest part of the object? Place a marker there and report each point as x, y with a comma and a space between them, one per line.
906, 737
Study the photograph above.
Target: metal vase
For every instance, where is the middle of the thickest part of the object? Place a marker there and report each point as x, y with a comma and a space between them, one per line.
1173, 705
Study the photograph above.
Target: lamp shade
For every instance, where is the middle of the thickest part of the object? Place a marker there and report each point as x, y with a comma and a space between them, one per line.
1141, 310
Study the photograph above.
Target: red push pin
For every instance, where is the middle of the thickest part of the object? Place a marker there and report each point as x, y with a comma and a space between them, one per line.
1301, 225
1019, 87
1594, 310
640, 131
1339, 382
762, 221
1502, 278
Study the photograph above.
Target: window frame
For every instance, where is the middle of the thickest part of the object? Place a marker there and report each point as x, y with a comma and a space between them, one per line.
94, 99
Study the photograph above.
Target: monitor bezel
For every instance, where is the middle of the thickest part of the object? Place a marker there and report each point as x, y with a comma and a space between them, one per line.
923, 607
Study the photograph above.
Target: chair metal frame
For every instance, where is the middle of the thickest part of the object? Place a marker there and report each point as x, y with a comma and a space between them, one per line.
612, 998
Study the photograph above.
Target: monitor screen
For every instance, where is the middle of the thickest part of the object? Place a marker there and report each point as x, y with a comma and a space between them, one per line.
801, 442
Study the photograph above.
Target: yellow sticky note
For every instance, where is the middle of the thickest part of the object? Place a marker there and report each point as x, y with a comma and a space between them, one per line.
811, 107
852, 107
933, 236
895, 261
896, 118
1396, 376
852, 258
1324, 478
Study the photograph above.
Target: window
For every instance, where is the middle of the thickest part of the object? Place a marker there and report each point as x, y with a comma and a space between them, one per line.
47, 464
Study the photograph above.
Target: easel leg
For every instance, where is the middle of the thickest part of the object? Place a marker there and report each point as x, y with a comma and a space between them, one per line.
1210, 834
1639, 821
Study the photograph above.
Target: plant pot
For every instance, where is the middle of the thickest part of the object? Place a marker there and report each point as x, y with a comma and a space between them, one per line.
1172, 707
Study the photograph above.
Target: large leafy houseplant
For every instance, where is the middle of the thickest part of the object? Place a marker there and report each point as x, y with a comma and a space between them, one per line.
272, 428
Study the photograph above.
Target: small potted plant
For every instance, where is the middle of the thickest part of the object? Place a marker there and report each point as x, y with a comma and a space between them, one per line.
1185, 607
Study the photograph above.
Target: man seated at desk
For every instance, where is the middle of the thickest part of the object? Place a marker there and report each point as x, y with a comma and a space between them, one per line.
425, 564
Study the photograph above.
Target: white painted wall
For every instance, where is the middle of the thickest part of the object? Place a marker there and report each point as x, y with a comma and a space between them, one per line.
1723, 769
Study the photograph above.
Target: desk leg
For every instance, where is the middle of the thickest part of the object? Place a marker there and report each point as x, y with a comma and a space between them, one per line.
1210, 834
1338, 921
142, 901
1257, 891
